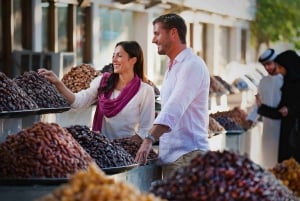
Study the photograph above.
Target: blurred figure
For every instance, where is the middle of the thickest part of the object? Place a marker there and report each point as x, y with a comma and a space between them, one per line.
288, 109
270, 94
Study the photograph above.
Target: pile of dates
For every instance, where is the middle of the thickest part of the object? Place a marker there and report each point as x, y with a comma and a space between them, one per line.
41, 90
228, 123
288, 171
219, 176
132, 147
214, 127
229, 87
79, 77
43, 150
216, 87
237, 114
105, 153
12, 97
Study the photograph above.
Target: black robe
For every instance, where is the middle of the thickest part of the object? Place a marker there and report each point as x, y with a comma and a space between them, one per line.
291, 99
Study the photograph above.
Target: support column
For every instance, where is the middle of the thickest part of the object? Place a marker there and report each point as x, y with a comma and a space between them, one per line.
7, 28
52, 27
213, 48
37, 26
235, 44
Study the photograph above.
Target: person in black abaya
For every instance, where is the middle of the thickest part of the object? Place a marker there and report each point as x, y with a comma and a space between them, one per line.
288, 109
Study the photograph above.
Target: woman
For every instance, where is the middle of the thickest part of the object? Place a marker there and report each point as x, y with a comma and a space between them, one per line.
289, 108
125, 103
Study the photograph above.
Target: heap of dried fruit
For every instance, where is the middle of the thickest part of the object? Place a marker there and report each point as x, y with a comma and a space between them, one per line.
12, 97
41, 90
79, 77
44, 150
237, 114
289, 173
222, 176
216, 87
214, 127
132, 147
105, 153
94, 185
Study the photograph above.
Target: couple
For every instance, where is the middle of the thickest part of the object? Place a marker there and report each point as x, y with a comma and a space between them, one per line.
125, 103
278, 103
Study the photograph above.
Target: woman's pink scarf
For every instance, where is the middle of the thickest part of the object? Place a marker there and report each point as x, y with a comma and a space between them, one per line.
111, 107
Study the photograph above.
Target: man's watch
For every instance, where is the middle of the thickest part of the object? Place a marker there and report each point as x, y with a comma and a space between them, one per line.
150, 137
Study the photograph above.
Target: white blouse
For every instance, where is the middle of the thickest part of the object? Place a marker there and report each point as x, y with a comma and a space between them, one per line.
135, 118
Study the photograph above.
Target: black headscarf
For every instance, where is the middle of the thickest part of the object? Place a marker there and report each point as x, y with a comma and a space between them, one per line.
289, 60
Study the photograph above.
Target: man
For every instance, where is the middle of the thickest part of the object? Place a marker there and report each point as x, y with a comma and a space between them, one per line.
182, 124
269, 93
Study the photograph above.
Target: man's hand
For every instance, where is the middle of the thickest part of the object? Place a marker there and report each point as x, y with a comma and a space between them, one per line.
258, 100
143, 152
284, 111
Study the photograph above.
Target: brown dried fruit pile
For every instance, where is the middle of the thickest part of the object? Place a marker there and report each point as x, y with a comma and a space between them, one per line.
105, 153
12, 97
289, 173
41, 90
79, 77
44, 150
219, 176
214, 127
132, 147
237, 114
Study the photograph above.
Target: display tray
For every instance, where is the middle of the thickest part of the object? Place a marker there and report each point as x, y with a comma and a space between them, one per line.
17, 113
215, 133
52, 110
234, 132
32, 181
115, 170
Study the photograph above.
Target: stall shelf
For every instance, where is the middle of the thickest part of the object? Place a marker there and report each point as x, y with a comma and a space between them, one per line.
247, 142
141, 177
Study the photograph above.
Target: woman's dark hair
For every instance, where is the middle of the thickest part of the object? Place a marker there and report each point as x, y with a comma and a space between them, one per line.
289, 60
172, 20
133, 49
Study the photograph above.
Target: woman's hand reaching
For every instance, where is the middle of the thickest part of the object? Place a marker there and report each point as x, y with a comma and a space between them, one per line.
49, 75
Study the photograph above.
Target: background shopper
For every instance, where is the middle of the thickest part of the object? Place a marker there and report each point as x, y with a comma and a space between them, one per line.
289, 106
269, 91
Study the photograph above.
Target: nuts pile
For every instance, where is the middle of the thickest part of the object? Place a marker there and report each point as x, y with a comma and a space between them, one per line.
12, 97
94, 185
41, 90
44, 150
105, 153
132, 147
222, 176
289, 173
79, 77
